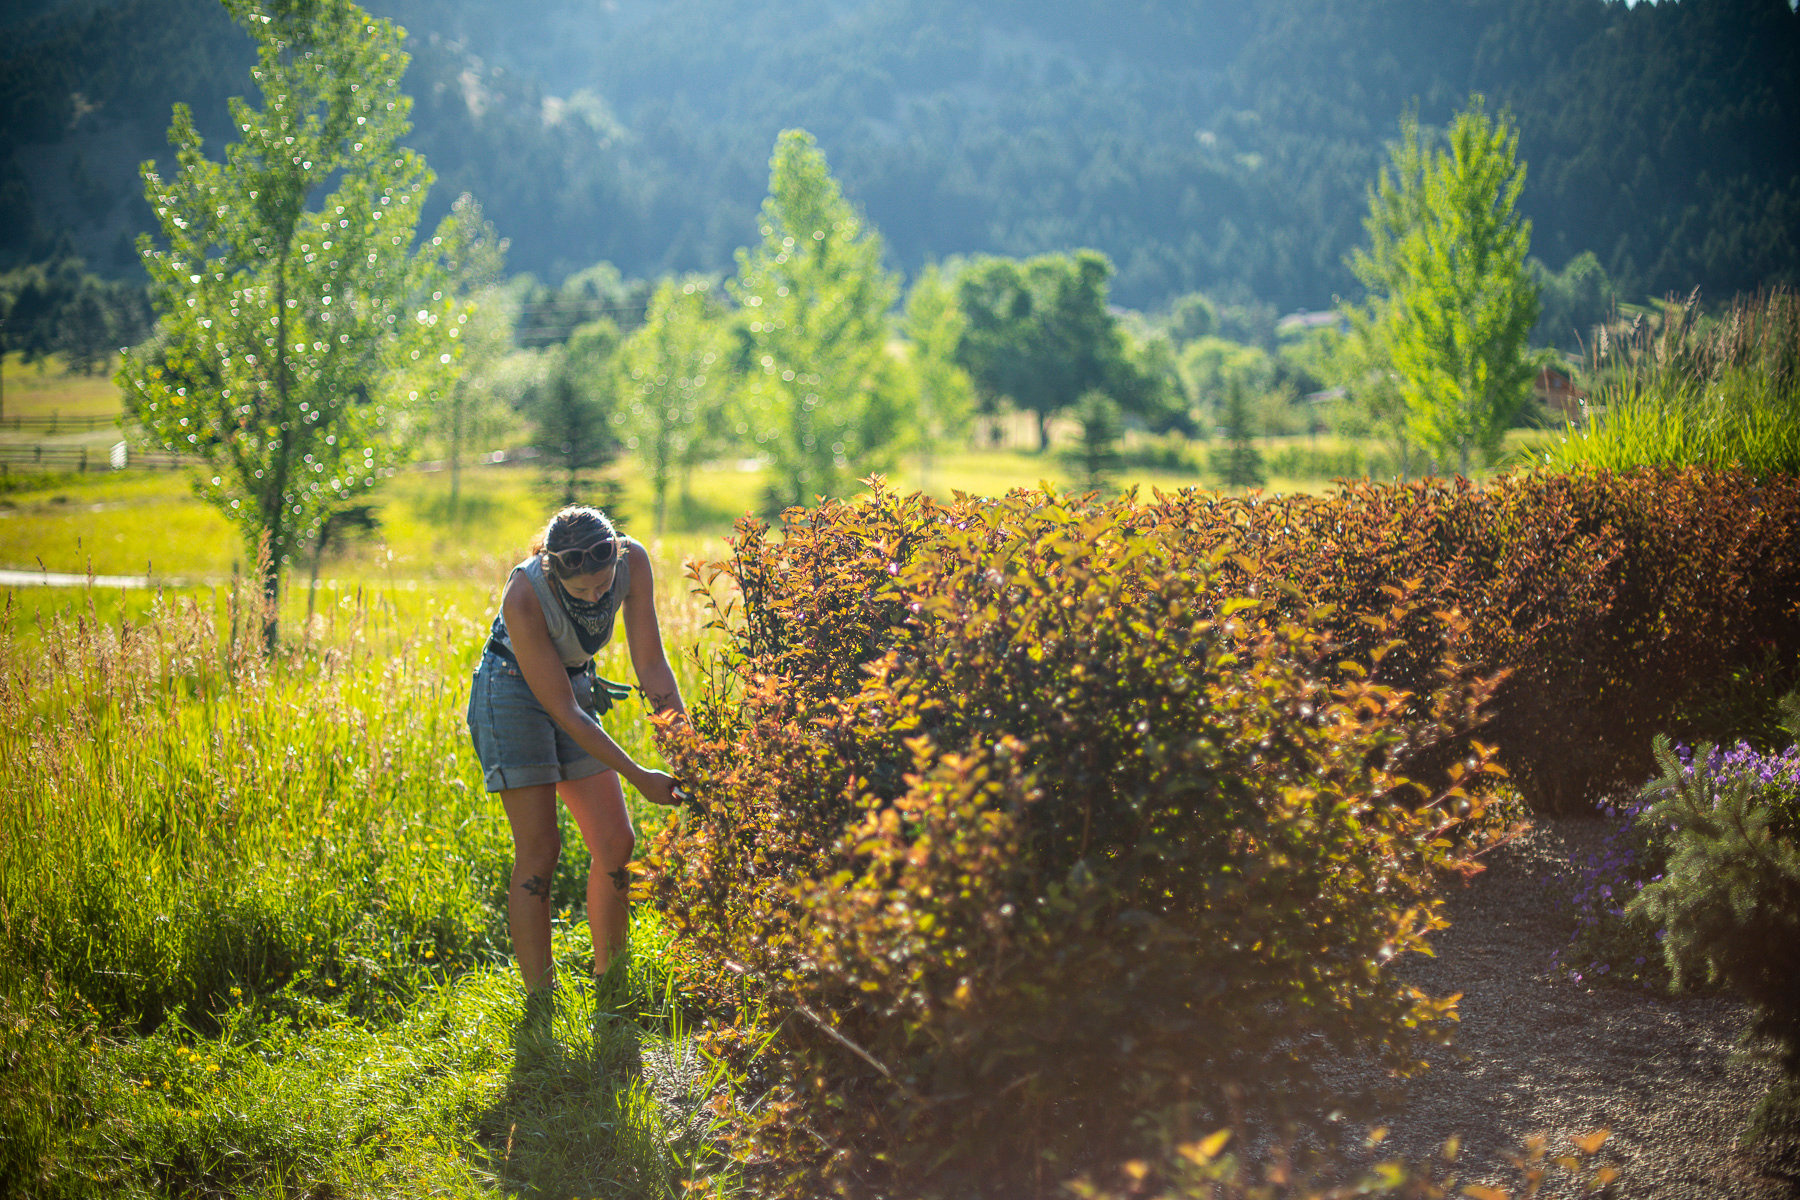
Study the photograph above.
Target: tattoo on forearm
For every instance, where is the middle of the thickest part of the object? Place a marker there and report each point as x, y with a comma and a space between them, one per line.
538, 886
662, 700
621, 878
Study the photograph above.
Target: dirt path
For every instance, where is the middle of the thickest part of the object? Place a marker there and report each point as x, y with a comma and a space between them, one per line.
1537, 1054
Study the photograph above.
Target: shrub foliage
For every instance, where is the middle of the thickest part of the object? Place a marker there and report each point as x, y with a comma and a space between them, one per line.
1622, 605
1037, 830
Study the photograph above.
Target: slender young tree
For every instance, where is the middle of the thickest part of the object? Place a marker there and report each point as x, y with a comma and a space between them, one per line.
574, 428
1451, 296
672, 385
455, 401
1094, 458
1239, 463
288, 332
815, 302
945, 395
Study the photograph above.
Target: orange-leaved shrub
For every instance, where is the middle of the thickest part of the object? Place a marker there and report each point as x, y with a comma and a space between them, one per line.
1621, 605
1038, 834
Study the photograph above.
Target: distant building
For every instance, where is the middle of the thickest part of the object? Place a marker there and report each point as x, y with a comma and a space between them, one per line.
1301, 322
1557, 392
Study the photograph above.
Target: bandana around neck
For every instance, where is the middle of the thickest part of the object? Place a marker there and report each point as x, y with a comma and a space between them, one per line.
592, 616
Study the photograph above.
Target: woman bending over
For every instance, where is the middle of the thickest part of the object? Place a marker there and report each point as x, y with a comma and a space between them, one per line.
533, 713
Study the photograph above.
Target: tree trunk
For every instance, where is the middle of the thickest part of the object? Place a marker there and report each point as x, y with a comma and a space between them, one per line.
456, 430
312, 584
271, 604
275, 513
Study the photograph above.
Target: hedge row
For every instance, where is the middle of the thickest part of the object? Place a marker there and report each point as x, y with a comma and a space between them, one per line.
1622, 605
1051, 826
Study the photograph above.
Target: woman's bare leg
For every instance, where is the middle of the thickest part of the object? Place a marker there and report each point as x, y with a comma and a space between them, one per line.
598, 806
531, 811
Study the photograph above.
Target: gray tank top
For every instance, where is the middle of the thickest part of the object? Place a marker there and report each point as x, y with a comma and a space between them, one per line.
556, 618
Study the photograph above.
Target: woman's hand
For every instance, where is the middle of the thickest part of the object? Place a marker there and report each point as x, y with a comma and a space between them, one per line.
658, 787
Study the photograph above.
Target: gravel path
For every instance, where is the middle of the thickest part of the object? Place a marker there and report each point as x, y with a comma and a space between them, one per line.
1539, 1055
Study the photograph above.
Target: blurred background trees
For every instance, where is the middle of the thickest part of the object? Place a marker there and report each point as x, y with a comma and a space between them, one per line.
1122, 230
675, 407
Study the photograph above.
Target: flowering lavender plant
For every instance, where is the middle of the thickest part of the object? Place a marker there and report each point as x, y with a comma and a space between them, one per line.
1728, 902
1609, 945
1773, 778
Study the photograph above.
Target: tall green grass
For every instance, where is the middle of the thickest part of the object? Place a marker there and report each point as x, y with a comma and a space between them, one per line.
184, 815
252, 930
1693, 391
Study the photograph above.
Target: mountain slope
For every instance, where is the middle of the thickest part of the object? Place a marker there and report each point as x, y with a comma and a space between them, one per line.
1200, 144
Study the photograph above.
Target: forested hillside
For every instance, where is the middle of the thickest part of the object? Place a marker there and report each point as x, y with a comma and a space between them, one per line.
1201, 144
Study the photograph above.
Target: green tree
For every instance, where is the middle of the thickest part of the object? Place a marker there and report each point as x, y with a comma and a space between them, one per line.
1094, 458
1191, 317
1238, 462
1211, 365
287, 334
1147, 384
815, 301
1575, 300
573, 425
86, 332
1038, 333
945, 395
672, 382
1451, 296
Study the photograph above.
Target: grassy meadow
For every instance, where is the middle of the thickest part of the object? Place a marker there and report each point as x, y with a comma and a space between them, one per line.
44, 388
251, 910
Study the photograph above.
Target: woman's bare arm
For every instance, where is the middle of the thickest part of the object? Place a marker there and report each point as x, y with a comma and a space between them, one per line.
643, 635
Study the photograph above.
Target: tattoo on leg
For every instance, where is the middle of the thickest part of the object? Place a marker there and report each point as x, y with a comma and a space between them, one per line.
621, 878
538, 886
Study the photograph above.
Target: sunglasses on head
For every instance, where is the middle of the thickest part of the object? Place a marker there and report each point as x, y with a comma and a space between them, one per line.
584, 560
